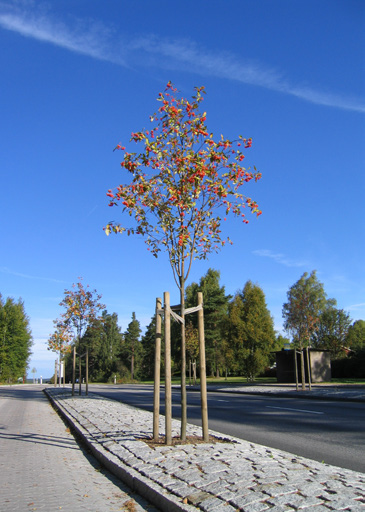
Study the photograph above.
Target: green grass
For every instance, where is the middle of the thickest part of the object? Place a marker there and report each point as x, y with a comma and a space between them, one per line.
348, 381
241, 381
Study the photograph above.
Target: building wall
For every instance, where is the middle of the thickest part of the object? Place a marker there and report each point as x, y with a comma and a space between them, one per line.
320, 366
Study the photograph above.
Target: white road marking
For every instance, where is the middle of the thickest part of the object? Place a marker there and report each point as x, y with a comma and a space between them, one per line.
297, 410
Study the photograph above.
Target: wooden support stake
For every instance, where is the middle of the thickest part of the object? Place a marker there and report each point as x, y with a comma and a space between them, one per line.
203, 378
87, 372
168, 401
55, 374
309, 370
73, 370
157, 381
79, 375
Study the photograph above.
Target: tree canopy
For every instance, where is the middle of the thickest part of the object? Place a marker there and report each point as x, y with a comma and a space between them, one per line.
251, 330
356, 335
215, 311
307, 300
332, 331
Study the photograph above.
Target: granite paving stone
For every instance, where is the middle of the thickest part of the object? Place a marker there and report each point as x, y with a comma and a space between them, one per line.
230, 475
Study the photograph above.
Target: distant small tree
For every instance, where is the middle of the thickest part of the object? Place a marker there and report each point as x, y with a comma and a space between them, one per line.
132, 346
302, 312
194, 183
61, 339
81, 308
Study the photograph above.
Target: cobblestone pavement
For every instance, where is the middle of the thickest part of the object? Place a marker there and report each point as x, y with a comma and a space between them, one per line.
42, 466
218, 477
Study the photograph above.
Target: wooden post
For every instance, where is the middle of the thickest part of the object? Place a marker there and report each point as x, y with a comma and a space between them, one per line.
309, 370
73, 370
87, 372
302, 368
64, 372
157, 381
168, 402
296, 369
203, 378
79, 374
55, 374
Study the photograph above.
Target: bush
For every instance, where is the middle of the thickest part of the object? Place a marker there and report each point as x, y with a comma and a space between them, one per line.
352, 366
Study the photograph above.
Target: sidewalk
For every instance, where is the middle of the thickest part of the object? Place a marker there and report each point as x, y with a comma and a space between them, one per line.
216, 477
42, 467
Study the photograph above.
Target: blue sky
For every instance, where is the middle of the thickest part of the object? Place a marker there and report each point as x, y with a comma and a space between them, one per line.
77, 77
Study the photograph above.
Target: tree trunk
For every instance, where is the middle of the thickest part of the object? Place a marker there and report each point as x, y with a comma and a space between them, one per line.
132, 364
302, 368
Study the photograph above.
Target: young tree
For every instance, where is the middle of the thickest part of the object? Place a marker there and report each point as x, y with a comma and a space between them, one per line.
131, 345
15, 340
183, 183
306, 302
60, 341
82, 308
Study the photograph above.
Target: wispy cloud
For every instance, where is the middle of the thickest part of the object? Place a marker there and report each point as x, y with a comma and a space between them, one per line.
98, 41
280, 258
5, 270
356, 307
91, 39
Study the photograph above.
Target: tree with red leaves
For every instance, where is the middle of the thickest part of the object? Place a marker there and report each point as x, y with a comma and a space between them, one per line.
183, 184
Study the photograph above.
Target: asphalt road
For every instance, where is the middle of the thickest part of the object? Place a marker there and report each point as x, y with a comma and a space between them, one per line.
333, 432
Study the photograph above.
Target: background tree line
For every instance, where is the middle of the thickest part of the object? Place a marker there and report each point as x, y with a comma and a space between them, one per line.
239, 333
15, 340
